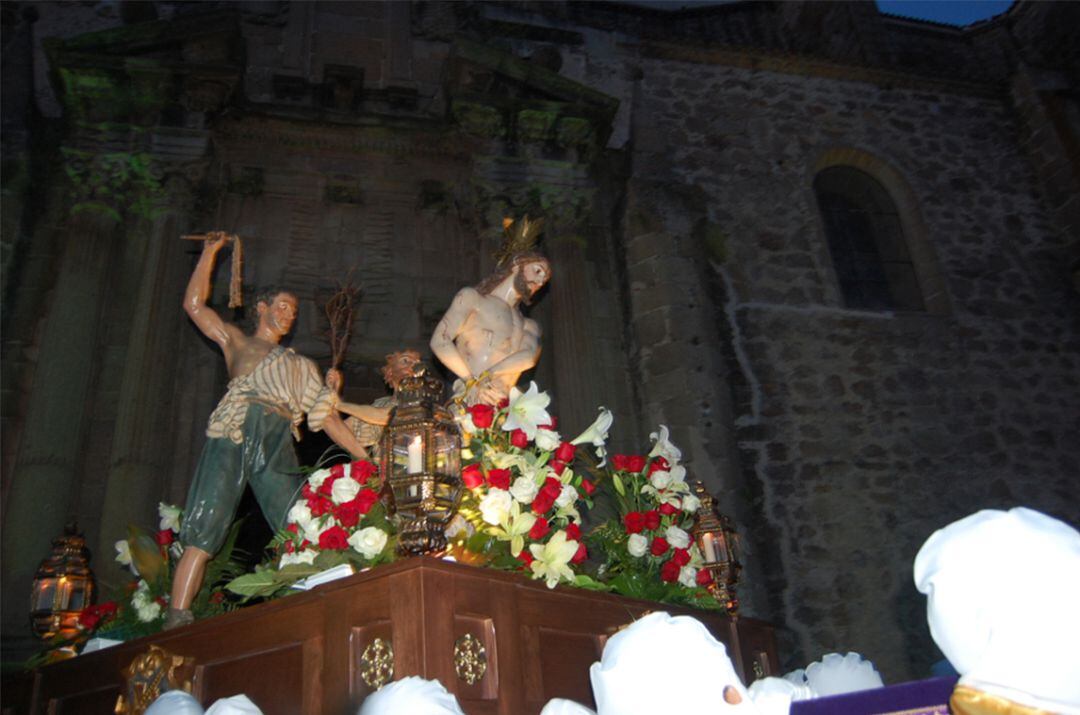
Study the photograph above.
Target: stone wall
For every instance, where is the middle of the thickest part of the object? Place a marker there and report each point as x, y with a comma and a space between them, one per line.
674, 155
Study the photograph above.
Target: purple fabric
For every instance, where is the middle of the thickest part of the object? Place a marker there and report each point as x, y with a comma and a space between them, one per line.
919, 697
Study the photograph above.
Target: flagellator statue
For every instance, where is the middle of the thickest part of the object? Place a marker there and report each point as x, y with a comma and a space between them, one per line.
250, 433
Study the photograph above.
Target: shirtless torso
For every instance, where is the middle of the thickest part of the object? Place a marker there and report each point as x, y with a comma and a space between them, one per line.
485, 340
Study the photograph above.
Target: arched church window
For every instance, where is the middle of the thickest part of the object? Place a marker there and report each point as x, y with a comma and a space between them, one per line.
865, 236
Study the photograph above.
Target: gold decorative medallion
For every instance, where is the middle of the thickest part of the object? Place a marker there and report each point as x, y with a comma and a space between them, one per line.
154, 672
470, 659
377, 663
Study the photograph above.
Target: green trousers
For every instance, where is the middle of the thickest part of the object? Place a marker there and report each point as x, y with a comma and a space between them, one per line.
265, 458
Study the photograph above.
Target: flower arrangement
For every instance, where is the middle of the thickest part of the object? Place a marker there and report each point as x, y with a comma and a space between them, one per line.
338, 519
648, 547
523, 497
151, 557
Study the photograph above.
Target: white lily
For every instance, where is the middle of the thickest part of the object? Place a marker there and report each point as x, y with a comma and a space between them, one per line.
123, 555
663, 447
551, 561
516, 524
526, 410
596, 434
170, 516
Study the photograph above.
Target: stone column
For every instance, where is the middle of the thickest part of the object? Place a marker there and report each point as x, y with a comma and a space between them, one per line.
44, 478
138, 462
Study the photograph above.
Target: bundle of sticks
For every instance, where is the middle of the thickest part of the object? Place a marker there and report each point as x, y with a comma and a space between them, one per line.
236, 278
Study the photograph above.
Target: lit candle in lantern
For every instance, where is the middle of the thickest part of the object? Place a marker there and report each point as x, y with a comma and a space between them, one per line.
416, 456
709, 548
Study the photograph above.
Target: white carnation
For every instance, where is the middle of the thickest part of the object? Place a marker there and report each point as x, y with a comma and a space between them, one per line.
344, 489
368, 542
678, 538
688, 576
524, 490
566, 497
495, 506
637, 545
318, 477
307, 556
547, 440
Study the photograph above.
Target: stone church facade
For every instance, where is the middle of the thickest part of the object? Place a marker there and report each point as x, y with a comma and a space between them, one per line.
834, 251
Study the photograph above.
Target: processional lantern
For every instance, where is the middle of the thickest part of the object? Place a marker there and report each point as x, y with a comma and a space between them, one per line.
719, 545
421, 461
63, 586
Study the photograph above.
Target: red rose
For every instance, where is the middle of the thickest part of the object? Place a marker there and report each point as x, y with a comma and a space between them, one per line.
669, 572
519, 439
565, 452
334, 539
472, 475
320, 505
365, 499
704, 577
362, 470
634, 522
526, 557
573, 531
348, 514
668, 509
293, 529
327, 487
652, 519
681, 557
580, 555
558, 466
91, 616
635, 463
659, 546
588, 487
539, 529
289, 547
160, 600
164, 537
482, 415
553, 425
659, 465
499, 478
217, 597
542, 503
618, 462
503, 403
307, 492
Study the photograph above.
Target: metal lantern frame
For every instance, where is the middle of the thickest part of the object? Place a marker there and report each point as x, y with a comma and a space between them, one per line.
718, 543
421, 462
63, 587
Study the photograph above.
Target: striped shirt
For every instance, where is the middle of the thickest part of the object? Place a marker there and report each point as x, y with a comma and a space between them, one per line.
283, 382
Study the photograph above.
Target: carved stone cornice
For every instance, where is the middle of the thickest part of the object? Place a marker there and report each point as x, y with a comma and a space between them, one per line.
304, 136
786, 63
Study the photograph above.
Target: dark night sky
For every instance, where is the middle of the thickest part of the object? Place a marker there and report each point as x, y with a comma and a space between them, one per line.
950, 12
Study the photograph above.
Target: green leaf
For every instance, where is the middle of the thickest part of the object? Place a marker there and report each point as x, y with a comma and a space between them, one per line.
145, 554
585, 581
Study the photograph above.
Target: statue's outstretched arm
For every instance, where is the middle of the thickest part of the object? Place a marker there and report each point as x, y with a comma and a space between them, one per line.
336, 430
368, 413
198, 291
442, 341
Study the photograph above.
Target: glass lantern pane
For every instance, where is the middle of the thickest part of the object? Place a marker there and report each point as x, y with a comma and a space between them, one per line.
44, 592
78, 599
447, 453
408, 455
